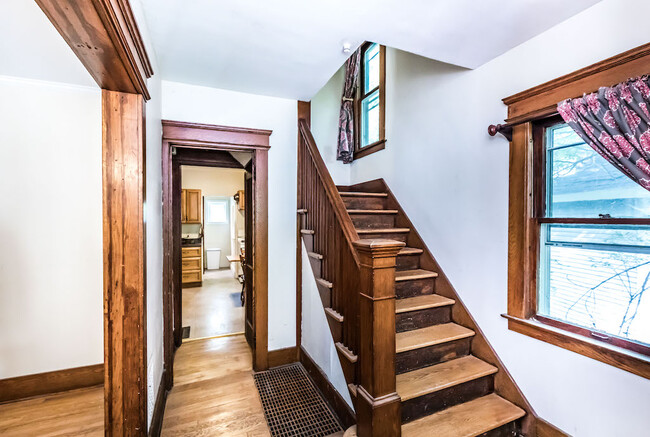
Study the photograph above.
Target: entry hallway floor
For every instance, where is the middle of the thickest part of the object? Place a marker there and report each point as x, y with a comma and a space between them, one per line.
214, 308
214, 392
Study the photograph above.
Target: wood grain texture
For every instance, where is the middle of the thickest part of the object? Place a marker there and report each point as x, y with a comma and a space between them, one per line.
333, 397
27, 386
466, 420
432, 335
105, 37
70, 413
158, 414
546, 429
421, 303
125, 339
304, 113
214, 392
280, 357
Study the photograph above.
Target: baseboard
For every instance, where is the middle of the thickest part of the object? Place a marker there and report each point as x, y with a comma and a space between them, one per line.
333, 397
545, 429
159, 409
280, 357
21, 387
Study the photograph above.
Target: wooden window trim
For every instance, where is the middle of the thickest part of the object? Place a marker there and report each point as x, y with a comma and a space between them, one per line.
532, 109
360, 152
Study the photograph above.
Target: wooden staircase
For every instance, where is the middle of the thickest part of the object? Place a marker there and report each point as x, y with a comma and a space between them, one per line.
414, 359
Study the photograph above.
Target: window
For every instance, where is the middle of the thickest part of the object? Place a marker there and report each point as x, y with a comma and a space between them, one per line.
371, 100
216, 210
594, 254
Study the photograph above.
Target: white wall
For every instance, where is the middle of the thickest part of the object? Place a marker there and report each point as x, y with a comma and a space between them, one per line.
51, 299
216, 182
316, 337
436, 121
210, 105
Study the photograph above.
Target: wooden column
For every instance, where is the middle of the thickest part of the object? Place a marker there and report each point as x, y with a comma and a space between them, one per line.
125, 355
378, 404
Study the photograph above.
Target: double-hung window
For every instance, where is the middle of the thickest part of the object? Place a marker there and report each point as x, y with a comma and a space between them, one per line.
593, 273
371, 100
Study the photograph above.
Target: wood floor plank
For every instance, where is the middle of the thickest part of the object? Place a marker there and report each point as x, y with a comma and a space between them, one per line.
465, 420
434, 378
436, 334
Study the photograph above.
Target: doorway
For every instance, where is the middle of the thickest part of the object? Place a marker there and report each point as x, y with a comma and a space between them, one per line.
214, 147
213, 251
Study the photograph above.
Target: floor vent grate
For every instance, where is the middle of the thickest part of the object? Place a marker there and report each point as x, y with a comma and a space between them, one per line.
293, 406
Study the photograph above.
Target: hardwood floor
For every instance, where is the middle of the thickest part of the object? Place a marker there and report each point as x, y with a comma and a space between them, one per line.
214, 392
73, 413
214, 308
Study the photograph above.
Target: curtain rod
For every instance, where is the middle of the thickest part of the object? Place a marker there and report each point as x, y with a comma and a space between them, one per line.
506, 128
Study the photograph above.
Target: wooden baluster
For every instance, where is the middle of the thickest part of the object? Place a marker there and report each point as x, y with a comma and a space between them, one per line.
378, 404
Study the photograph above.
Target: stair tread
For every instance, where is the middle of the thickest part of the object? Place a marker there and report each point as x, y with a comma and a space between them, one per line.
440, 376
429, 336
314, 255
372, 211
324, 282
362, 194
408, 275
421, 303
383, 231
410, 251
307, 231
470, 419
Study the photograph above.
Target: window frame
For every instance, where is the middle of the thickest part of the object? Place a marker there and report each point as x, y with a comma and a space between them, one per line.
217, 199
360, 152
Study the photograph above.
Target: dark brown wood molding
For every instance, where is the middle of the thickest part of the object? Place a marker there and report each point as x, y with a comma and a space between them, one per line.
159, 408
545, 429
125, 321
280, 357
333, 397
21, 387
370, 149
216, 127
624, 359
541, 100
304, 113
200, 135
105, 37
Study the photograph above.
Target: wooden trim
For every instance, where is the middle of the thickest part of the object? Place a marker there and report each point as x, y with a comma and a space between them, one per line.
159, 408
333, 397
360, 152
546, 429
105, 37
211, 137
624, 359
21, 387
125, 322
304, 113
280, 357
504, 384
543, 98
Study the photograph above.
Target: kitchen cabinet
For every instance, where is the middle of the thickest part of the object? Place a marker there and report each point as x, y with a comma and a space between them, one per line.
192, 267
240, 200
191, 206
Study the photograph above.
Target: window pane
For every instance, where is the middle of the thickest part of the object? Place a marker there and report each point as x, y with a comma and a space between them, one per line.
581, 183
217, 211
370, 119
371, 68
597, 277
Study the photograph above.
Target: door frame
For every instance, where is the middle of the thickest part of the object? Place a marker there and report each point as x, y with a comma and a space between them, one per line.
222, 138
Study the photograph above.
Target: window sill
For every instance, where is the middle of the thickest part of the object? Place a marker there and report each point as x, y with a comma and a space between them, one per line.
370, 148
624, 359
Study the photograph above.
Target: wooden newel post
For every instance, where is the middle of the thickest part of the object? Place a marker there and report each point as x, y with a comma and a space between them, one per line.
378, 404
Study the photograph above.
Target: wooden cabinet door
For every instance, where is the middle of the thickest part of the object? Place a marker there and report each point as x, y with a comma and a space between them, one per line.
192, 206
183, 206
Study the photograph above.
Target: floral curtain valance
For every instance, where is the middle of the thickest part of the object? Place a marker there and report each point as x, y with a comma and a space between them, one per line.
615, 122
345, 147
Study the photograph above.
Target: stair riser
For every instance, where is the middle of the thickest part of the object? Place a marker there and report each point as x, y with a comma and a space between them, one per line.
428, 404
364, 202
373, 221
325, 295
316, 265
508, 430
430, 355
336, 328
398, 236
415, 287
422, 318
308, 239
347, 367
408, 262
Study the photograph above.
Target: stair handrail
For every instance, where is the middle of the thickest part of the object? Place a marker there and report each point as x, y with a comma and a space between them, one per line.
332, 192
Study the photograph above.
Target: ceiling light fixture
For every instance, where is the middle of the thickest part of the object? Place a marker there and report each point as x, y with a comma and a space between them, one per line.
347, 47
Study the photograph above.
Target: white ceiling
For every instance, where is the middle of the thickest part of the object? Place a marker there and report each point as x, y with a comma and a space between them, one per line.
290, 48
30, 46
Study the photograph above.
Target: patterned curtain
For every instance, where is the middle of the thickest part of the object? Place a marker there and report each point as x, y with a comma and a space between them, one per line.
615, 122
345, 148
